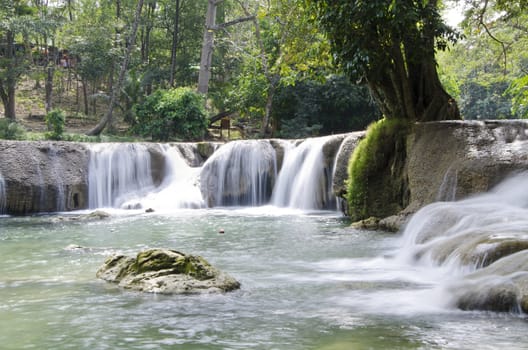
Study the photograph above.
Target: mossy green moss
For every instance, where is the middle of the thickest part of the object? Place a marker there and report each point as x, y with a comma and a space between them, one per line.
376, 184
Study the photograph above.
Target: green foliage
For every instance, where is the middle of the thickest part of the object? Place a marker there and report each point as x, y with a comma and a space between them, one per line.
390, 45
363, 33
55, 121
519, 90
483, 70
374, 185
172, 114
10, 130
485, 101
313, 107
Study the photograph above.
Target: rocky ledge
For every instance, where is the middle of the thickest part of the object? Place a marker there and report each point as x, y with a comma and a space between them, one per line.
167, 272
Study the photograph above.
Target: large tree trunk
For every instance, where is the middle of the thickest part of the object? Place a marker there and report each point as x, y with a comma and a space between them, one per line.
410, 87
115, 91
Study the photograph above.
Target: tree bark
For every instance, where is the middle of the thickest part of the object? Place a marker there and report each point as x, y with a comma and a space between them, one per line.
174, 44
49, 88
115, 91
8, 84
207, 47
85, 96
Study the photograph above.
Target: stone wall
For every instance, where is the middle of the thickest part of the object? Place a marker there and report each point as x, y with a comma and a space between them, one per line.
43, 176
453, 159
445, 161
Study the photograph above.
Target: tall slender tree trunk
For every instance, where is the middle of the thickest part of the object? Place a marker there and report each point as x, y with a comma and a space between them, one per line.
70, 12
174, 44
8, 100
270, 77
49, 88
116, 89
85, 96
50, 70
8, 84
207, 47
146, 32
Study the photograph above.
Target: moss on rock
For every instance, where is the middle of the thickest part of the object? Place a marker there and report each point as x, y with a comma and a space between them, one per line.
377, 184
166, 271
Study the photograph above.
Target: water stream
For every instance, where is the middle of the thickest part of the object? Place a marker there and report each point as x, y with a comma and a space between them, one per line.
309, 281
3, 199
304, 182
118, 173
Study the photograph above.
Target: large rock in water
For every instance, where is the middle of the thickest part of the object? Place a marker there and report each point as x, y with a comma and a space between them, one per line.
167, 272
501, 286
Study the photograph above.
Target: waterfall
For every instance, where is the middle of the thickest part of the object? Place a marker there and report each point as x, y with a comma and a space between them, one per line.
3, 199
118, 173
463, 231
41, 190
240, 173
304, 181
480, 244
180, 188
57, 170
448, 187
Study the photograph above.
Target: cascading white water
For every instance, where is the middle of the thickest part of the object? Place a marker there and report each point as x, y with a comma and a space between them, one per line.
448, 187
117, 174
479, 243
455, 232
240, 173
303, 181
3, 199
179, 189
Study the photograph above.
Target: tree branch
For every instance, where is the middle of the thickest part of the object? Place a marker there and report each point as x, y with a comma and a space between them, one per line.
490, 34
233, 22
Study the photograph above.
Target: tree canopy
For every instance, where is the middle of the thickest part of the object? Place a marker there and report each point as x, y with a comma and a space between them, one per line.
391, 46
287, 68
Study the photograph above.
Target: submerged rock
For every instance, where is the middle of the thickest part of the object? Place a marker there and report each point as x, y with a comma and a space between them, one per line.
167, 272
93, 216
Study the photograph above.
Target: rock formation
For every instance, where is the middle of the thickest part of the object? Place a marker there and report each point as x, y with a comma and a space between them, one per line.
166, 272
43, 176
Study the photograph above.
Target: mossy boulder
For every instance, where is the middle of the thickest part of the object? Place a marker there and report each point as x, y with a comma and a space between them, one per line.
377, 182
167, 272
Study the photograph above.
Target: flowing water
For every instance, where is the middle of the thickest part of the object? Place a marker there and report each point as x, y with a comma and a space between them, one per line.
301, 182
118, 173
2, 195
308, 282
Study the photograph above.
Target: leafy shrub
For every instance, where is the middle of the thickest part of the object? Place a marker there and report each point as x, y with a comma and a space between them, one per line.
10, 130
55, 121
172, 114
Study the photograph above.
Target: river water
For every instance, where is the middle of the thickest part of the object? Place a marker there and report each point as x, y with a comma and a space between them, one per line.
308, 282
